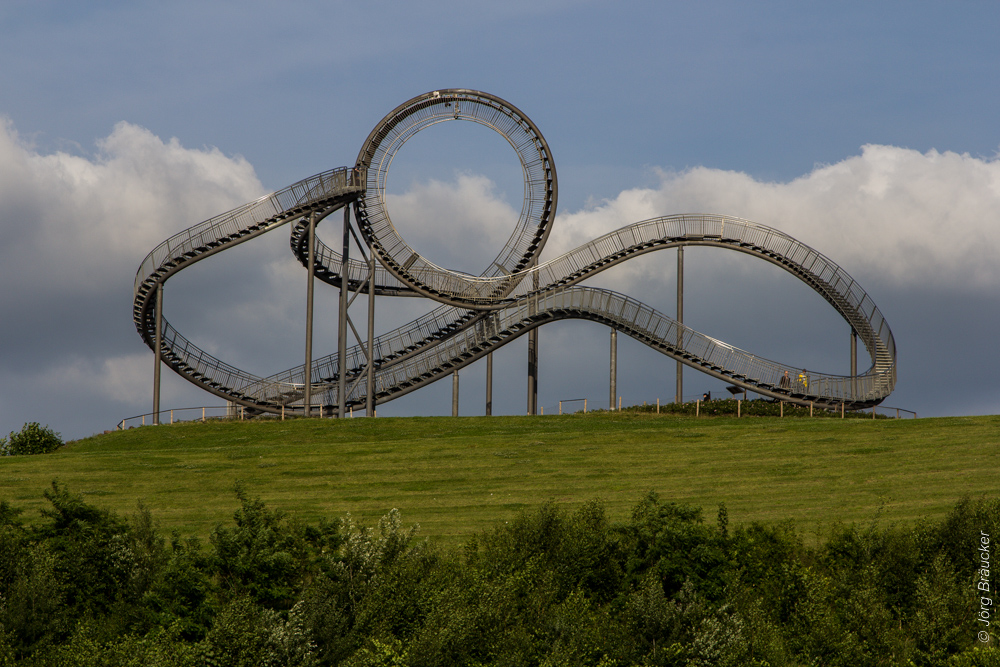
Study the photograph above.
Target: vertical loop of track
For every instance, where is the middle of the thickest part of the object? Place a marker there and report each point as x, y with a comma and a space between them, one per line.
537, 211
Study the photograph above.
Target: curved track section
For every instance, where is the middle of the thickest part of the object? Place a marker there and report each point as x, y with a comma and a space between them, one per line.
514, 294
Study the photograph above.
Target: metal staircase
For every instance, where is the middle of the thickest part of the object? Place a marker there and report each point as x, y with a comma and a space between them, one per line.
482, 313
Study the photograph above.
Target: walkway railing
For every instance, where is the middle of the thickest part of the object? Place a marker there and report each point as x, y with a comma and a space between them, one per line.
514, 296
197, 414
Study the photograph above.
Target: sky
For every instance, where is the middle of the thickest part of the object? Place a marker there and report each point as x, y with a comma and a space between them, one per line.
865, 130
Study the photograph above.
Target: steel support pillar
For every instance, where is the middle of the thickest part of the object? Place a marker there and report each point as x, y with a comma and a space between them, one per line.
533, 371
370, 391
310, 268
533, 351
454, 394
854, 352
489, 384
342, 319
157, 353
680, 320
614, 367
854, 362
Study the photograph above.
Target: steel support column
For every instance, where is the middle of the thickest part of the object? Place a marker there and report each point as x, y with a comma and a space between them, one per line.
489, 384
158, 356
680, 320
370, 391
310, 268
342, 320
533, 371
614, 367
854, 362
454, 394
533, 351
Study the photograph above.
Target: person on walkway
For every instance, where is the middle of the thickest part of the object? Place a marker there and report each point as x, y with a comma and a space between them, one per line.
786, 382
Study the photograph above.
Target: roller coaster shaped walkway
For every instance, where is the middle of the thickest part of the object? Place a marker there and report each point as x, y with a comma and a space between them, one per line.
516, 294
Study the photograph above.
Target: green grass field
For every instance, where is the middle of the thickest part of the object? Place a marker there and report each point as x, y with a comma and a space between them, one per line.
455, 476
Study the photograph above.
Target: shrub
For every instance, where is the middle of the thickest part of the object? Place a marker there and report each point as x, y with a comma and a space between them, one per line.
245, 634
31, 439
673, 540
549, 588
260, 557
92, 558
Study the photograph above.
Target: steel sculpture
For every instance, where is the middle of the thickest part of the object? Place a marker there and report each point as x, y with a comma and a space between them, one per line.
515, 295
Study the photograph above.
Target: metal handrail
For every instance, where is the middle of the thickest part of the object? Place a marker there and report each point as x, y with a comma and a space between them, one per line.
515, 295
632, 318
867, 387
171, 413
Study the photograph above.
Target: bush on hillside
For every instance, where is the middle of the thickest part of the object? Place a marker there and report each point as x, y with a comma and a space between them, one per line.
755, 407
549, 587
31, 439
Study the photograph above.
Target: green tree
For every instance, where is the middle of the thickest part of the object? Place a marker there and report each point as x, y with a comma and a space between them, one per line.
31, 439
263, 556
673, 540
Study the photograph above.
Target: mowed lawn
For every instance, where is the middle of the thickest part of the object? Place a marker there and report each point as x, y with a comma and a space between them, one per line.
455, 476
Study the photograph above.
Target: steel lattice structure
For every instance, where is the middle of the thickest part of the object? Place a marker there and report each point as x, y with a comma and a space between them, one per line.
512, 297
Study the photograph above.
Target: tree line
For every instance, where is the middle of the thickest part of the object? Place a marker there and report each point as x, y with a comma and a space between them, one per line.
549, 587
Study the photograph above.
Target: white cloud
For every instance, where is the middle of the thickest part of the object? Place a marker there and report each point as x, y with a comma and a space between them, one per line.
907, 217
123, 379
78, 225
73, 230
461, 225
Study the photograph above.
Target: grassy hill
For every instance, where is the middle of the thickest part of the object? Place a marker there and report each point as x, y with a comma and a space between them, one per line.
454, 476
